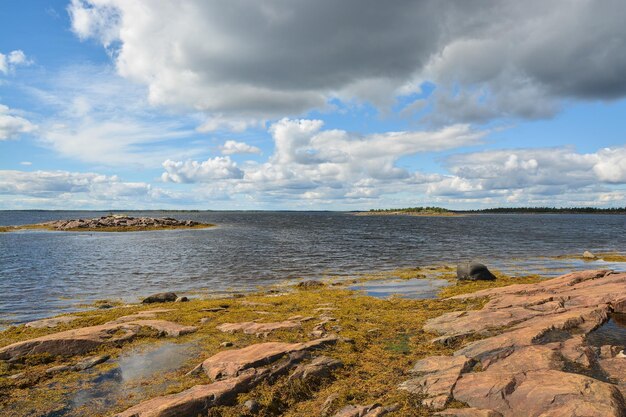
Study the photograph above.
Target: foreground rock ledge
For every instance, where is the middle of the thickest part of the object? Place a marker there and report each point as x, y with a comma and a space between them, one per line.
241, 370
86, 339
534, 359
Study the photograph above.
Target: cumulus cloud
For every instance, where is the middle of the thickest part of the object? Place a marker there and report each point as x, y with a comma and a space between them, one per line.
232, 147
12, 125
539, 175
314, 163
218, 168
12, 60
52, 184
270, 59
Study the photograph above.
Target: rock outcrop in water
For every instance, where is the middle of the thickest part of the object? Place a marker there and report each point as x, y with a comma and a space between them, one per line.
118, 222
533, 358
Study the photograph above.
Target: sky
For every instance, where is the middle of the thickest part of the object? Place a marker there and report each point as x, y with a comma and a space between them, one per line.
312, 105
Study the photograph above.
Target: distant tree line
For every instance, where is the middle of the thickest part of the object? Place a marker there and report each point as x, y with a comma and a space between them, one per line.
612, 210
413, 210
571, 210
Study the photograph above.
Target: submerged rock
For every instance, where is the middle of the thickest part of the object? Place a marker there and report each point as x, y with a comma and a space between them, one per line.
162, 297
473, 271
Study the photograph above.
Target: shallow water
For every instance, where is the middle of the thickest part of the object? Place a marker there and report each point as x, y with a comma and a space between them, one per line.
45, 273
613, 332
133, 372
414, 288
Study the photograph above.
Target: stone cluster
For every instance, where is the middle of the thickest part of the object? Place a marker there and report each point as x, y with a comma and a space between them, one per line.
116, 221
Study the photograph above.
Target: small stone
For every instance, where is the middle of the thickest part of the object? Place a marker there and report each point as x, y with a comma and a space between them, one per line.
162, 297
226, 344
252, 406
205, 320
588, 255
181, 300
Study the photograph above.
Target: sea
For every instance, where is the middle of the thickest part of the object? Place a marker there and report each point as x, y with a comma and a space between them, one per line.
44, 273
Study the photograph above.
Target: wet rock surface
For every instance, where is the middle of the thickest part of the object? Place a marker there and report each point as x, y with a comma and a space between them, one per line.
533, 358
86, 339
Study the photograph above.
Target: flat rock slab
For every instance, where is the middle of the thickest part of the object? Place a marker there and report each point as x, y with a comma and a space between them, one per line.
51, 322
533, 342
540, 393
435, 378
231, 362
258, 328
85, 339
195, 400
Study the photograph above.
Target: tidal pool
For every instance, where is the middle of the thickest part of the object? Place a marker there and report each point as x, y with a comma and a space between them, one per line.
415, 288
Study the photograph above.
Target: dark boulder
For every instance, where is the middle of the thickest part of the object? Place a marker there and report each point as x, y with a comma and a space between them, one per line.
162, 297
473, 271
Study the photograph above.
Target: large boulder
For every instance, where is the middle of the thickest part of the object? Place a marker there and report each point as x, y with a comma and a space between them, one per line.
473, 271
162, 297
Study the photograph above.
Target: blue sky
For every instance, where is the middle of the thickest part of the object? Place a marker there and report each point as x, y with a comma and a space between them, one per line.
311, 105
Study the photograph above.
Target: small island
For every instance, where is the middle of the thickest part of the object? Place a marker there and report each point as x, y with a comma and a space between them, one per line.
409, 211
111, 223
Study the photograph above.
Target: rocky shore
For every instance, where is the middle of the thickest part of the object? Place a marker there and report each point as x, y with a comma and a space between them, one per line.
320, 350
113, 223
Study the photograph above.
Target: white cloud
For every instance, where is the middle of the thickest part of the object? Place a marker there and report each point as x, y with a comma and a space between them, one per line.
12, 60
325, 164
232, 147
270, 59
218, 168
56, 184
539, 176
12, 125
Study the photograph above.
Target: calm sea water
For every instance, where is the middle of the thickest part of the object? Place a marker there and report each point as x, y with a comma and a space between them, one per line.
44, 273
